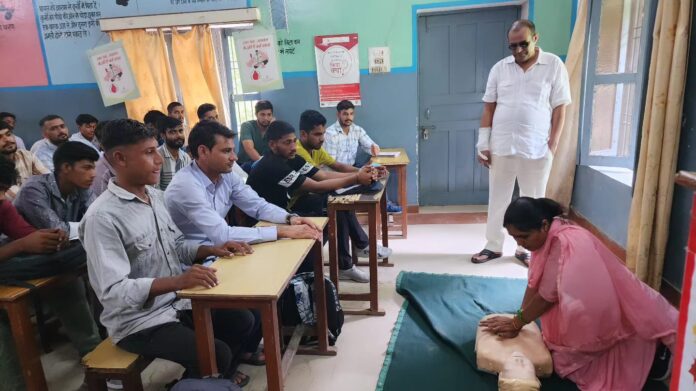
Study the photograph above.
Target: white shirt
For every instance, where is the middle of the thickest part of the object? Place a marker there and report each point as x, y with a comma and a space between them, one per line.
524, 103
79, 137
344, 147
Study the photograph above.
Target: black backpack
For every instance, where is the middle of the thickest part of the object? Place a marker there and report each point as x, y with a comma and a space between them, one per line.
17, 270
300, 291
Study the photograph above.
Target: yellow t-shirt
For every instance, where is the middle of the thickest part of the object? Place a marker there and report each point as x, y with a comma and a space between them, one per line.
317, 158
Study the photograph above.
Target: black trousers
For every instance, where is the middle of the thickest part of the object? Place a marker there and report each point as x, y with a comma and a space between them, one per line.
347, 226
236, 332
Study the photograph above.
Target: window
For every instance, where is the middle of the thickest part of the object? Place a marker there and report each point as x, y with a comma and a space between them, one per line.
618, 53
242, 101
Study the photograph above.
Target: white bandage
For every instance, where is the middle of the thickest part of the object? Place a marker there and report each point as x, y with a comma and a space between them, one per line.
484, 137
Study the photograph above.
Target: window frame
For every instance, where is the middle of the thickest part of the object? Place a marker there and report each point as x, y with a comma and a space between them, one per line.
247, 98
591, 79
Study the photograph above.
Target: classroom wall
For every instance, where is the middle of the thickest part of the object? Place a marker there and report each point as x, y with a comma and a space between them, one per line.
390, 104
681, 204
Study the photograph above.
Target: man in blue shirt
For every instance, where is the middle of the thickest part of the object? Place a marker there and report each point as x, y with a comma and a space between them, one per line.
202, 193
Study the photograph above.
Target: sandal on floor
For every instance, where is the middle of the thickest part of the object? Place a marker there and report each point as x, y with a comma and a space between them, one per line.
490, 255
241, 379
255, 360
523, 257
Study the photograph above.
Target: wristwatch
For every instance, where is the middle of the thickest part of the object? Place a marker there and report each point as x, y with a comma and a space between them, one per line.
290, 216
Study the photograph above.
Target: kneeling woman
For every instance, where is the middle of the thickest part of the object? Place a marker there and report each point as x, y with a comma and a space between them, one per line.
601, 324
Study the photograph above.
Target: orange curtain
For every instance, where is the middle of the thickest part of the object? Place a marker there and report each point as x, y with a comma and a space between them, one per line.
147, 53
194, 58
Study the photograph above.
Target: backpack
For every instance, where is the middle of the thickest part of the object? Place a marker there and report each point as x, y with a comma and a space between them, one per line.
209, 384
16, 270
297, 306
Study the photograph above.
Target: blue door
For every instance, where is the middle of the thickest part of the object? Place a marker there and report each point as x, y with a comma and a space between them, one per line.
455, 53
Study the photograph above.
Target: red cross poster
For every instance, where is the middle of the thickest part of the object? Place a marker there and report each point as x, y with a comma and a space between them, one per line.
338, 69
684, 373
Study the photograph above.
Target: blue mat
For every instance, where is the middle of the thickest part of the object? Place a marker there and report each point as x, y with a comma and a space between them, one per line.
432, 346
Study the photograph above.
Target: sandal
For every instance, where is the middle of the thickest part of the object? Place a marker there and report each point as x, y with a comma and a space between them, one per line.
240, 379
490, 255
523, 257
255, 359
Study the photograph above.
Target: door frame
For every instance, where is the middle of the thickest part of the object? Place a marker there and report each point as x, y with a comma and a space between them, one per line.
444, 8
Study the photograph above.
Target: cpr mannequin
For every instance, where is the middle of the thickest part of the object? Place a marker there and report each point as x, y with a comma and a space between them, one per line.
492, 352
518, 374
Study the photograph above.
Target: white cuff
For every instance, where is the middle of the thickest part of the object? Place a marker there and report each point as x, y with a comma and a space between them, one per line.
484, 136
72, 235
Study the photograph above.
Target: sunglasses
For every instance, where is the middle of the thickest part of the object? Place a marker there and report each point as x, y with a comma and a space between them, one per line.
521, 45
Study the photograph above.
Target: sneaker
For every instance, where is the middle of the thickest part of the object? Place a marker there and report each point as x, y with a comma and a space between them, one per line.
382, 252
114, 384
354, 274
393, 208
662, 364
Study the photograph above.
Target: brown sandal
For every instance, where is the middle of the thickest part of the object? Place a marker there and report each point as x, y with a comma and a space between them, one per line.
490, 255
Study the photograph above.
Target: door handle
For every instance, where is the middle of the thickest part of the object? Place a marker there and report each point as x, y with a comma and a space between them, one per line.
427, 113
425, 131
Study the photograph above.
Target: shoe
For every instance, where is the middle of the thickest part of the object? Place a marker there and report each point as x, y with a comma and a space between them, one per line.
393, 208
354, 274
382, 252
114, 384
662, 364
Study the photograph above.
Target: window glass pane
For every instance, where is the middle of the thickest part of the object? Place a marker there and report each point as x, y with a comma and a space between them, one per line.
243, 108
620, 30
612, 119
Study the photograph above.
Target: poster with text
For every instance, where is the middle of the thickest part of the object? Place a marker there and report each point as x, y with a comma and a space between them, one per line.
257, 57
338, 69
113, 73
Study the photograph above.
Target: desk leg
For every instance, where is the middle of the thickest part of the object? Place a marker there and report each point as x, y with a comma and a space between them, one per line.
385, 227
372, 226
28, 351
271, 346
403, 201
205, 339
333, 245
320, 299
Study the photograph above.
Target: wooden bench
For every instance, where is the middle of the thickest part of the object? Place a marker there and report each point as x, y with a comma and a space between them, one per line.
108, 361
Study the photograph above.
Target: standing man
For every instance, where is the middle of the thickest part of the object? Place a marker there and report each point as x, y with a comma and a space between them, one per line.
251, 139
55, 133
11, 120
175, 158
86, 125
25, 162
523, 114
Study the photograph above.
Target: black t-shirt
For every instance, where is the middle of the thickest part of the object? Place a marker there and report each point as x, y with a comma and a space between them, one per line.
276, 179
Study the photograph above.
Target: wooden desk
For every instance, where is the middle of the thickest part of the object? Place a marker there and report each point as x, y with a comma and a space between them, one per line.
375, 205
257, 281
17, 301
399, 165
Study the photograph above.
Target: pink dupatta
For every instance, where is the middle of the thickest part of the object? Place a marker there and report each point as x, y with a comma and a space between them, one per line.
600, 302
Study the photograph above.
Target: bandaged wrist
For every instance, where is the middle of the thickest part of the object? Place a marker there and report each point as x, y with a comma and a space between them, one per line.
484, 136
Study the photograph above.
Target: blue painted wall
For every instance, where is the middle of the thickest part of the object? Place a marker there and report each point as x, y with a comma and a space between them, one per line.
605, 202
31, 104
681, 207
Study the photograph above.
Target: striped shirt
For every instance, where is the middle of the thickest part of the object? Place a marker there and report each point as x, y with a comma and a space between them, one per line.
170, 165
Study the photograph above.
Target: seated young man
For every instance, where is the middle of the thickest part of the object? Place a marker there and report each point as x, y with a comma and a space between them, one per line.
150, 120
68, 301
86, 125
311, 141
281, 174
207, 112
135, 254
60, 199
202, 193
171, 130
26, 163
104, 170
251, 138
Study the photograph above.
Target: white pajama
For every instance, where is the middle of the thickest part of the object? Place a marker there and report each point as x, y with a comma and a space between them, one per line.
531, 175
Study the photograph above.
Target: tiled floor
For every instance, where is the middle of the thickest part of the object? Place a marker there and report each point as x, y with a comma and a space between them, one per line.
362, 344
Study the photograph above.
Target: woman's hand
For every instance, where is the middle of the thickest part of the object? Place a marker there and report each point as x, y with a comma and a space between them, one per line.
502, 326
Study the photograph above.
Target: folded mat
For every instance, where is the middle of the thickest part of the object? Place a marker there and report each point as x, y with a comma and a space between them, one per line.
432, 346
